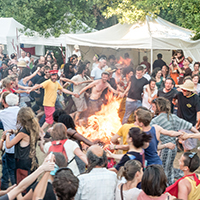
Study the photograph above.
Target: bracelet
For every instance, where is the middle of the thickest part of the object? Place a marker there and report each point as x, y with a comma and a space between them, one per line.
165, 145
115, 147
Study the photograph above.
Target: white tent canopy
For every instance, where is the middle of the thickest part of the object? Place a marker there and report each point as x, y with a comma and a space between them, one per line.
153, 33
12, 37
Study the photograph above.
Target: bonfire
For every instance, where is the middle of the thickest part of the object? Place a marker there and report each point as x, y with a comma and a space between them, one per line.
103, 124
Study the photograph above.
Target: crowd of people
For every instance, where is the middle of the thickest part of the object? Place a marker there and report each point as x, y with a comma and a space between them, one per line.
42, 103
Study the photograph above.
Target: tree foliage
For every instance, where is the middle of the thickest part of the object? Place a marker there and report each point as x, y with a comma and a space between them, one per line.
185, 13
50, 17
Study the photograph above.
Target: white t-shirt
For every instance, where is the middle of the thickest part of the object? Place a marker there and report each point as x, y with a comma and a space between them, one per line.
96, 73
147, 76
131, 194
26, 58
70, 147
78, 88
78, 53
145, 102
94, 65
8, 116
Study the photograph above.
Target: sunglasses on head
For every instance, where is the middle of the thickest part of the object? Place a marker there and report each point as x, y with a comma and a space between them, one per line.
191, 156
154, 100
63, 168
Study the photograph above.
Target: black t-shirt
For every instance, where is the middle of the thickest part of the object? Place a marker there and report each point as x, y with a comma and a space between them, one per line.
49, 194
22, 152
188, 107
35, 79
169, 95
136, 88
40, 97
131, 155
158, 63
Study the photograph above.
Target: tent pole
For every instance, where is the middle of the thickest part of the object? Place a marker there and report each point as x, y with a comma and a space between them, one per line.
151, 59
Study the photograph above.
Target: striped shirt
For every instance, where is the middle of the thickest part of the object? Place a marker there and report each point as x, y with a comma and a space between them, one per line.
174, 123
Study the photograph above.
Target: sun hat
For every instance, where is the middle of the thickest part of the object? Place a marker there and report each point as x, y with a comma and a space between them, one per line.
21, 63
188, 85
189, 59
76, 46
109, 70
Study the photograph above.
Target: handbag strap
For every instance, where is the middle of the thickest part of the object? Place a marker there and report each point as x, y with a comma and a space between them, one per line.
121, 191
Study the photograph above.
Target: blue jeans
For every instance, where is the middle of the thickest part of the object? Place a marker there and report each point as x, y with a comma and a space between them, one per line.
1, 125
131, 106
8, 170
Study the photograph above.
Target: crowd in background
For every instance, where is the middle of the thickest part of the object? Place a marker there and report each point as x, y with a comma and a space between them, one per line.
42, 103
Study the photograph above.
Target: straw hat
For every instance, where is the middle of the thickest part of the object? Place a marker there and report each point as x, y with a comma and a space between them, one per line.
76, 46
188, 85
21, 63
190, 59
109, 70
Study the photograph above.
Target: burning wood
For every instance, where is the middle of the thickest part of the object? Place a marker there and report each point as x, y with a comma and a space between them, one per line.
105, 123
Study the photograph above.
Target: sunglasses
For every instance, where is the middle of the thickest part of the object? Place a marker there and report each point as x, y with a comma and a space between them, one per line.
154, 100
191, 156
63, 168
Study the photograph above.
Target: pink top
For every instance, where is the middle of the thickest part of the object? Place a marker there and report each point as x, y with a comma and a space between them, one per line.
143, 196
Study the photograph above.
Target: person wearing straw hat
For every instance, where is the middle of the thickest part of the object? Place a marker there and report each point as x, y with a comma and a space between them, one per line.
21, 65
188, 103
77, 51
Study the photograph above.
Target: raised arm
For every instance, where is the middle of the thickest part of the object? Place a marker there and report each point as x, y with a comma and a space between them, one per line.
46, 166
68, 80
35, 87
27, 78
73, 134
15, 140
160, 130
88, 87
112, 89
127, 89
69, 92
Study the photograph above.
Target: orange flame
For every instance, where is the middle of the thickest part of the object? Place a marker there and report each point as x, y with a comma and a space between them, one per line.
105, 123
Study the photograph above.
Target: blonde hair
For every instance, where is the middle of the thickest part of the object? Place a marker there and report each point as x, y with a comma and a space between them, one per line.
26, 119
6, 81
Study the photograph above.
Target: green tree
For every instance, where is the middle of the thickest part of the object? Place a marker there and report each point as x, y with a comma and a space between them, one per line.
50, 17
185, 13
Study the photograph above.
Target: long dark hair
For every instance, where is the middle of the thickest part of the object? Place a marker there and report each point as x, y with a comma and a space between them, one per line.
67, 121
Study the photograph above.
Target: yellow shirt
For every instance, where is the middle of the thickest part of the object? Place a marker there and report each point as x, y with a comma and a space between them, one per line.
50, 92
123, 132
195, 190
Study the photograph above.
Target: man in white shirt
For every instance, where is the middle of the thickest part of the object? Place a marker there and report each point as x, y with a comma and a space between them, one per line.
97, 71
24, 58
98, 183
77, 51
8, 116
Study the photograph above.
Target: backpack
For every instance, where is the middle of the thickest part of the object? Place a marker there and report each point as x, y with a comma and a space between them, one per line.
58, 147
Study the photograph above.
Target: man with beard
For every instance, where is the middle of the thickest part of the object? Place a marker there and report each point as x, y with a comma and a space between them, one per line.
168, 92
50, 93
98, 87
